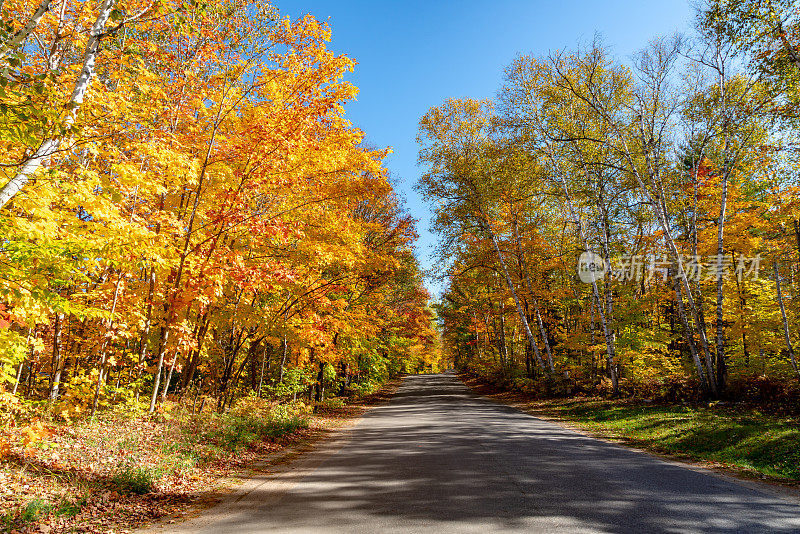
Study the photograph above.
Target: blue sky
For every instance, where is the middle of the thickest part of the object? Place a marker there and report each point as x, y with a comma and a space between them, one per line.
412, 55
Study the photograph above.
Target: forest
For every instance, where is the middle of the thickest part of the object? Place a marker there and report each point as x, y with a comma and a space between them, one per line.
207, 267
199, 250
628, 228
186, 210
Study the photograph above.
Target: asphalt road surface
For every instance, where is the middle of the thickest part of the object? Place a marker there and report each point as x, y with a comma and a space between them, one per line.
440, 459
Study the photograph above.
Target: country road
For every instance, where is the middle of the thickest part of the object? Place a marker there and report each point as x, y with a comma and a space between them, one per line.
438, 458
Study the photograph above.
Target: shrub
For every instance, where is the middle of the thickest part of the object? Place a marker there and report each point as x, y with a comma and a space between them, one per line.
331, 404
252, 420
70, 508
138, 479
295, 381
362, 388
779, 395
34, 510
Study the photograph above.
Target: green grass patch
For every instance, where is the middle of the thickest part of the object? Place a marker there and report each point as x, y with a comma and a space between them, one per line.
237, 430
34, 510
30, 513
741, 438
140, 479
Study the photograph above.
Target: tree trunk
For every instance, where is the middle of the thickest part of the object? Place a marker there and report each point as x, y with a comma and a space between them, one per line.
263, 364
194, 357
797, 237
19, 377
607, 331
523, 319
688, 333
162, 349
786, 337
104, 349
169, 379
58, 360
544, 337
320, 385
524, 274
18, 38
722, 372
51, 146
283, 360
147, 323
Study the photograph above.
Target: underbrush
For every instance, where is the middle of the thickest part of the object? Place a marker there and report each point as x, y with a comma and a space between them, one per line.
69, 474
36, 510
250, 421
780, 396
132, 478
64, 471
330, 405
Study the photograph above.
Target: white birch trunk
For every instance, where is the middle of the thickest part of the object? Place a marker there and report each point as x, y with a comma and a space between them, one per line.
523, 319
19, 37
785, 320
607, 333
51, 146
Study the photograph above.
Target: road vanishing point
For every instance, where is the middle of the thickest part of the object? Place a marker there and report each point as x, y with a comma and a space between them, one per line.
438, 458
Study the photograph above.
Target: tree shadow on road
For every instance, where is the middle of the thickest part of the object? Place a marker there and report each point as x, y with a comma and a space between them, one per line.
439, 458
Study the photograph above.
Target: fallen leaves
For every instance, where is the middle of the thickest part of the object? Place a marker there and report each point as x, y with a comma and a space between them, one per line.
64, 483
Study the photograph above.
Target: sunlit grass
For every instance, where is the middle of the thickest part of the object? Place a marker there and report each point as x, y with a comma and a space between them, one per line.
741, 438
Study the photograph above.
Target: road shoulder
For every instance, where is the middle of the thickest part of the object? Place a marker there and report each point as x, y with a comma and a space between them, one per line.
781, 488
273, 472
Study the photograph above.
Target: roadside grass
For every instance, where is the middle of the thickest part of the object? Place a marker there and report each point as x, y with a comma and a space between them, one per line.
37, 509
125, 468
730, 436
79, 475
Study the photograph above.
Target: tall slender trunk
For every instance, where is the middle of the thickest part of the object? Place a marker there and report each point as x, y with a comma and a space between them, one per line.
797, 237
528, 362
523, 319
502, 338
591, 321
162, 349
786, 337
688, 333
263, 365
607, 331
170, 312
722, 371
57, 360
168, 379
543, 332
19, 370
22, 363
608, 293
18, 377
283, 359
104, 349
659, 208
697, 308
146, 330
51, 146
742, 306
524, 272
699, 324
319, 387
194, 357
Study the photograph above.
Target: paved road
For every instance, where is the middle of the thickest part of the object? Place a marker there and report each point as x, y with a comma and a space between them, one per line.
439, 459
